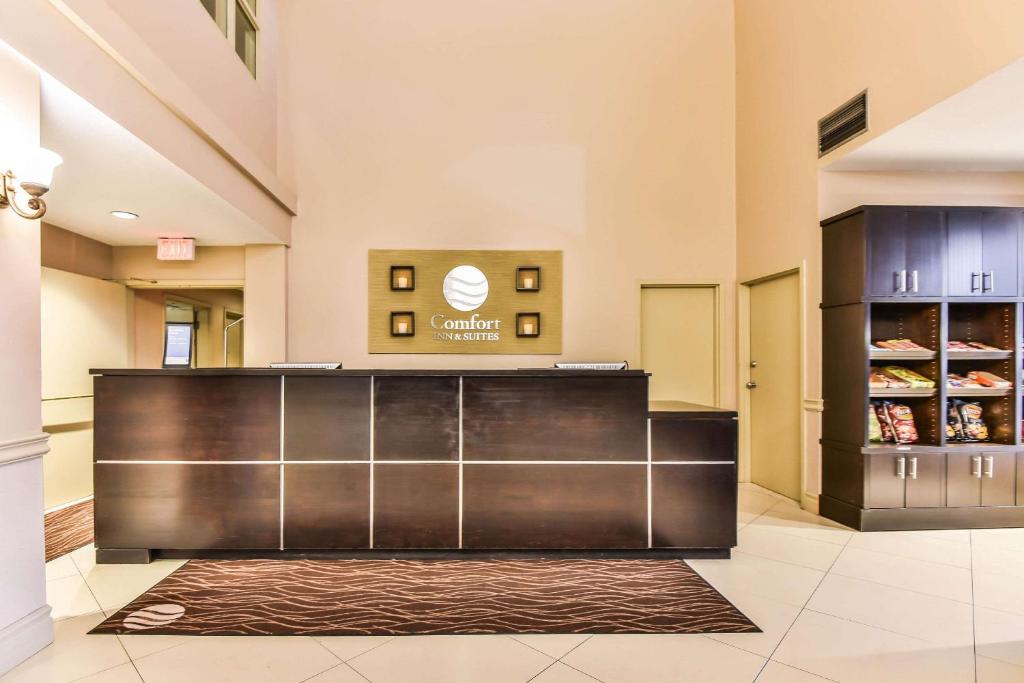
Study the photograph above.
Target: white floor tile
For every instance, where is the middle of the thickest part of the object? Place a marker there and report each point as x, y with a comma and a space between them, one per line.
560, 673
72, 655
657, 658
60, 568
776, 672
772, 617
915, 545
790, 519
245, 659
408, 659
553, 645
940, 580
999, 591
769, 542
347, 647
140, 645
937, 620
778, 581
70, 597
999, 635
994, 557
1008, 538
115, 585
125, 673
995, 671
342, 673
850, 652
753, 502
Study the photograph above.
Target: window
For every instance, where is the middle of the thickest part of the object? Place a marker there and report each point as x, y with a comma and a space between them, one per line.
237, 21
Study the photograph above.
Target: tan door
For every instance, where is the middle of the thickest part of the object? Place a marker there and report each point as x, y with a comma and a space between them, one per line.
775, 385
235, 341
679, 342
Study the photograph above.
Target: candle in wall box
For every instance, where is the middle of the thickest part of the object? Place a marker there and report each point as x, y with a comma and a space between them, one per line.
403, 327
403, 282
527, 283
527, 328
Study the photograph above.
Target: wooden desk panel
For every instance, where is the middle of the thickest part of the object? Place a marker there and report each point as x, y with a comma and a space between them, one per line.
187, 506
554, 418
326, 506
168, 417
416, 418
327, 418
416, 506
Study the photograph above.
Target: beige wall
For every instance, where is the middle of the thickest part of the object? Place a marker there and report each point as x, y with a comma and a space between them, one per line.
74, 253
798, 60
213, 267
599, 127
85, 324
24, 617
266, 304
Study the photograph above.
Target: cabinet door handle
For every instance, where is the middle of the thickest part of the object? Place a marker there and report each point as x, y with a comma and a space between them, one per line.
976, 466
901, 467
903, 281
913, 468
991, 275
989, 466
974, 281
913, 281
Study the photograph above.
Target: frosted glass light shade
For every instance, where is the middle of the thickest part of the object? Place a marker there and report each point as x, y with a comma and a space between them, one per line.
36, 167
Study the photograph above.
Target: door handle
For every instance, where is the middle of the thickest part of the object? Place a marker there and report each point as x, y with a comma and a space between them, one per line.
913, 281
913, 468
974, 281
976, 466
901, 467
991, 275
903, 281
990, 466
751, 384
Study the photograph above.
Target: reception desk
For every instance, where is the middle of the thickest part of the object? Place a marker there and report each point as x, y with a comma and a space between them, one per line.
217, 462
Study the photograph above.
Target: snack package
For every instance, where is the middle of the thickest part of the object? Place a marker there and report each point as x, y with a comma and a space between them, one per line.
915, 380
955, 381
884, 424
874, 427
975, 428
954, 425
987, 379
877, 380
901, 418
899, 345
957, 346
982, 347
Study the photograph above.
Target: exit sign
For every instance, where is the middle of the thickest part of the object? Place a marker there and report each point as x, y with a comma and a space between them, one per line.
175, 249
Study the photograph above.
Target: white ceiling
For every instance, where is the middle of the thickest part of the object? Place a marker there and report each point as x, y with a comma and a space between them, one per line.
981, 128
106, 168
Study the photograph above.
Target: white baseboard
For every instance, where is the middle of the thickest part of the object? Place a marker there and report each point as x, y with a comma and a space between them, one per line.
809, 502
24, 638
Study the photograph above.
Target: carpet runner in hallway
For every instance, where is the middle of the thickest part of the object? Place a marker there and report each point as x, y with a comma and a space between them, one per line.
421, 597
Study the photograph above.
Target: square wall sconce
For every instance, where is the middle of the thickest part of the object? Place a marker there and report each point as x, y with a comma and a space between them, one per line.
528, 279
403, 323
403, 278
527, 324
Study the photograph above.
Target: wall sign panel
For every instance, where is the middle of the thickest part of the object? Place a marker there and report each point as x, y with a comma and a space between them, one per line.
465, 301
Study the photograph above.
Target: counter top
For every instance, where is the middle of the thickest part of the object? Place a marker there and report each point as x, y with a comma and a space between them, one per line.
676, 409
218, 372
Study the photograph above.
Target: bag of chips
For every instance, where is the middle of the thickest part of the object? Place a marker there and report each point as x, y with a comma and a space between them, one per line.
882, 417
975, 428
902, 420
874, 427
954, 425
915, 380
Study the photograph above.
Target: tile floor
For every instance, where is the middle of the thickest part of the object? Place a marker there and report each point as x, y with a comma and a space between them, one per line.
835, 605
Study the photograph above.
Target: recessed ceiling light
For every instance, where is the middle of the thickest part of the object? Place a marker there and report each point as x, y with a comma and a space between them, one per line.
127, 215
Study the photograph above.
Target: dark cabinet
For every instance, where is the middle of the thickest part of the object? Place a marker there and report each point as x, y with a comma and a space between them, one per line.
906, 252
982, 252
897, 480
981, 479
690, 505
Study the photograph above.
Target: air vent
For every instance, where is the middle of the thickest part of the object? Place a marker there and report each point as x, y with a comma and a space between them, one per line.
843, 124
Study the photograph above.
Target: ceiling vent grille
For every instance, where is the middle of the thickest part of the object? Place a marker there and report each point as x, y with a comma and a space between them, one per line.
843, 124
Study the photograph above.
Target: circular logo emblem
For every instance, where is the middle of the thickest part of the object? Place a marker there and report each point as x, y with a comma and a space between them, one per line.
465, 288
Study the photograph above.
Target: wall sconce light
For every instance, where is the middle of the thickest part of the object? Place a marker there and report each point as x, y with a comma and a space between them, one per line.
36, 174
403, 323
527, 324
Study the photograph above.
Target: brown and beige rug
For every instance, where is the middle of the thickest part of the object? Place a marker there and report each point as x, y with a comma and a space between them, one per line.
421, 597
67, 529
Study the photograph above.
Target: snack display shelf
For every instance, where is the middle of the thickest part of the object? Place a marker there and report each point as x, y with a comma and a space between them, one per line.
911, 392
978, 391
902, 355
978, 355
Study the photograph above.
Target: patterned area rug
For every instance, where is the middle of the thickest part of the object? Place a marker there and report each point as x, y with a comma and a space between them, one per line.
421, 597
67, 529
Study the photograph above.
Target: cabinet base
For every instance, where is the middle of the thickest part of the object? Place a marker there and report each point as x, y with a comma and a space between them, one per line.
120, 556
911, 519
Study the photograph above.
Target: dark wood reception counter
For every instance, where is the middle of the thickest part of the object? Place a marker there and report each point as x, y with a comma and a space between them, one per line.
193, 462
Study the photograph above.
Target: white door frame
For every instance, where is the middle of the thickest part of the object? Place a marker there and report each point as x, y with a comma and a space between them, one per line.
807, 501
716, 288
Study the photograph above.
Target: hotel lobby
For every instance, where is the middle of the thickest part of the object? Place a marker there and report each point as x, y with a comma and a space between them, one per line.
614, 341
